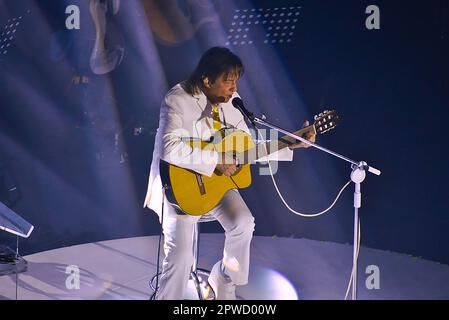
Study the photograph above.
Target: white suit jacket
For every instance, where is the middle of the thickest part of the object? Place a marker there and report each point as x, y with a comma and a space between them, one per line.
190, 116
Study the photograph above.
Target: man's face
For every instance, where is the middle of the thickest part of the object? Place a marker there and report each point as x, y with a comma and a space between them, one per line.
223, 88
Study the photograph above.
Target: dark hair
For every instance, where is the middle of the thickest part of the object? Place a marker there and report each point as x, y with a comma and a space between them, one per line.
213, 63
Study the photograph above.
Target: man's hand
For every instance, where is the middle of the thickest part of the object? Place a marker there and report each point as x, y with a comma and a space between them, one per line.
309, 135
226, 164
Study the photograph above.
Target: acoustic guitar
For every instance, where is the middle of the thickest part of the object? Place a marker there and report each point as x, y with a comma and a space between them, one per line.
196, 194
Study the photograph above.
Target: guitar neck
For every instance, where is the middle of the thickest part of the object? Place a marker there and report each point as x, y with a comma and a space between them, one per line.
264, 149
286, 141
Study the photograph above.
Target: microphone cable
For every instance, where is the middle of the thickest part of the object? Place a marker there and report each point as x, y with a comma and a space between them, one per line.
305, 215
313, 215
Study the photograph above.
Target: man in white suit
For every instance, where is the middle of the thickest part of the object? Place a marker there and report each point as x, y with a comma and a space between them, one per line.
196, 108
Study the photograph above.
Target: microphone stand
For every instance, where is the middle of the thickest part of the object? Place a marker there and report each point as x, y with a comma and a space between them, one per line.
358, 174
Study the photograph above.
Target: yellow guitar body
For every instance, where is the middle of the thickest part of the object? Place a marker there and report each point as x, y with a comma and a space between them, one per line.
196, 194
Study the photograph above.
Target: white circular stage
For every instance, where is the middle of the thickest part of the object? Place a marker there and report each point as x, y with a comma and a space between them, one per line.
281, 268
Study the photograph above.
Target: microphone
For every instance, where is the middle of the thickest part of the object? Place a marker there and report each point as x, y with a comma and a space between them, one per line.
238, 103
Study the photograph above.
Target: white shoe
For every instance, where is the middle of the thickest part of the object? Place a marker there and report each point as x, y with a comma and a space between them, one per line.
224, 289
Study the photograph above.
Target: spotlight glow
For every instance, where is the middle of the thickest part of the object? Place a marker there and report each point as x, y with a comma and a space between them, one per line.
267, 284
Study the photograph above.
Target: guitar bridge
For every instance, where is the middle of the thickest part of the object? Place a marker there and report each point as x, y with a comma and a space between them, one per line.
199, 180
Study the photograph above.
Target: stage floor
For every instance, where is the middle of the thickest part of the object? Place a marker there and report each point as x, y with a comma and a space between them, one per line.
281, 268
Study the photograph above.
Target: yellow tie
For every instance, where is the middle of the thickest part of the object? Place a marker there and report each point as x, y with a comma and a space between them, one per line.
216, 117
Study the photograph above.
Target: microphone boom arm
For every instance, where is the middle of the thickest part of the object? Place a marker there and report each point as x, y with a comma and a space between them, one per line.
363, 165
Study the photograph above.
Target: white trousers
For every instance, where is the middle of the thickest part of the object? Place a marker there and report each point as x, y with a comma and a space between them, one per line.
237, 221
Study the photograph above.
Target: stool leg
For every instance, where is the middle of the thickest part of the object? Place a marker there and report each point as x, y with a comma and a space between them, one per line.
195, 249
202, 286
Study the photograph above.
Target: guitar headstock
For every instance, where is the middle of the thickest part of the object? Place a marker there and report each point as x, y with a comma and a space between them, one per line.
326, 121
